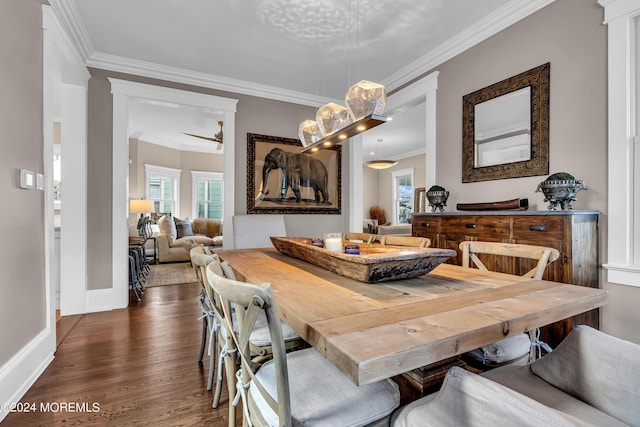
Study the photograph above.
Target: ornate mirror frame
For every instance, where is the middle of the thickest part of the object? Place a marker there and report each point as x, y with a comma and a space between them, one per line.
536, 78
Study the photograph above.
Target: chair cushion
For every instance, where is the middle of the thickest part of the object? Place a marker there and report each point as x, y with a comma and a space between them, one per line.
183, 227
260, 334
502, 351
600, 369
522, 380
467, 399
168, 228
321, 395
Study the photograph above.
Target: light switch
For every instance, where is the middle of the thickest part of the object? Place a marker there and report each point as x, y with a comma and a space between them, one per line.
40, 181
27, 179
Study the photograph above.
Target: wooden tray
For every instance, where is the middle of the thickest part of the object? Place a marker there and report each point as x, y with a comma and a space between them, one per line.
376, 263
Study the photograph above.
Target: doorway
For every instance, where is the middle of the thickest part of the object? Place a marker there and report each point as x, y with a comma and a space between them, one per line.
124, 94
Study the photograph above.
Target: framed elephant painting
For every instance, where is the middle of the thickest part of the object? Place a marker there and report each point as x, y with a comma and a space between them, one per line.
283, 180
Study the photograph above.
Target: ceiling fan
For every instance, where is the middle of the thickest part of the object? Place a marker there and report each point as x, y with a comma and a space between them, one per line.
216, 138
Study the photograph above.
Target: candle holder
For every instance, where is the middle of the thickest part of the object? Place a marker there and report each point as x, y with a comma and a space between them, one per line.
333, 242
352, 249
317, 243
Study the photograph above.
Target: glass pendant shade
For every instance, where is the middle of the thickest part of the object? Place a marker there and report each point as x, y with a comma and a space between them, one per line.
381, 164
365, 98
308, 132
331, 118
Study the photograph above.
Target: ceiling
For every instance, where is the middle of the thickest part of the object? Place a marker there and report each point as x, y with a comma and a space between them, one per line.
310, 51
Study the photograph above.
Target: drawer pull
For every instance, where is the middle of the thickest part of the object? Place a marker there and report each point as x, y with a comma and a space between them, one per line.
424, 224
471, 226
537, 228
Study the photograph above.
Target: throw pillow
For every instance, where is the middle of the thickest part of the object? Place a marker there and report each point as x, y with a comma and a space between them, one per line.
183, 227
168, 227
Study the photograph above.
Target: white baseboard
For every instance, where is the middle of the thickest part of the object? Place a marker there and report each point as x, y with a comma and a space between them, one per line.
24, 368
100, 300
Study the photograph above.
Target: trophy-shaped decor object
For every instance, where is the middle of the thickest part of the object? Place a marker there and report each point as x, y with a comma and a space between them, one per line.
560, 189
437, 197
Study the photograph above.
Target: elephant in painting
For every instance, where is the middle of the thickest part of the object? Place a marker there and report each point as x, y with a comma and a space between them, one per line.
298, 169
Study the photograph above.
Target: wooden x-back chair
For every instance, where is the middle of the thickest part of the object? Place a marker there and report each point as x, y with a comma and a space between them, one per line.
409, 241
514, 348
543, 255
212, 316
361, 237
296, 388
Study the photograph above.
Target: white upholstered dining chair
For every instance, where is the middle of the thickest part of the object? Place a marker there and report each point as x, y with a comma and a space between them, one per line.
514, 348
297, 388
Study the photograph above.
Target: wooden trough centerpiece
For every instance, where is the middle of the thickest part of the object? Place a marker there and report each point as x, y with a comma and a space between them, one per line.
375, 263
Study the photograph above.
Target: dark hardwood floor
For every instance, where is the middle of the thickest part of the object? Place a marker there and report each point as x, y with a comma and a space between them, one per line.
138, 364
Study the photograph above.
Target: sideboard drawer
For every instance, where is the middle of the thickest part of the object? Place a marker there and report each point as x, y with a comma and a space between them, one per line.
477, 226
425, 226
534, 228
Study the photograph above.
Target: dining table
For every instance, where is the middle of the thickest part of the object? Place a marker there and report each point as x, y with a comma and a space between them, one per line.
372, 331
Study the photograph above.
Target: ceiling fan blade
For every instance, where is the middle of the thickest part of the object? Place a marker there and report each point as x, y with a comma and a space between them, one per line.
204, 137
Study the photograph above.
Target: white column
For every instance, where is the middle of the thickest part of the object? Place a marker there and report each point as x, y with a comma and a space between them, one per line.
73, 226
356, 214
120, 208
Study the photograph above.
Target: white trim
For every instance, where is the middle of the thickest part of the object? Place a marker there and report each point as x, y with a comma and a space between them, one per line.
356, 209
124, 92
65, 85
424, 90
502, 18
67, 13
162, 170
100, 300
181, 75
623, 264
168, 172
20, 372
623, 275
394, 175
197, 175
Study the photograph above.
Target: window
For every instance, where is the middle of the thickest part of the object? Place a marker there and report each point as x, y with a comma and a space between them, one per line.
402, 196
163, 186
623, 20
207, 194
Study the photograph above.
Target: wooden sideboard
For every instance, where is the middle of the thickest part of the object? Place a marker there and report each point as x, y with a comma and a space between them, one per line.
573, 233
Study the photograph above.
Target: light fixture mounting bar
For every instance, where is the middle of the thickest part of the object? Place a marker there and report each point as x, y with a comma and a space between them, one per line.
355, 128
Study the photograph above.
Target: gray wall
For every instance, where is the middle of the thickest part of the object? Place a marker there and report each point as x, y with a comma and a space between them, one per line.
254, 115
22, 289
570, 35
142, 152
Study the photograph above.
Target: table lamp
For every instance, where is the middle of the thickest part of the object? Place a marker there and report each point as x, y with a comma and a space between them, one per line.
142, 206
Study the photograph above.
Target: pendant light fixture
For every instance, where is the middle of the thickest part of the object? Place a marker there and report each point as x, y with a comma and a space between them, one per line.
365, 102
381, 164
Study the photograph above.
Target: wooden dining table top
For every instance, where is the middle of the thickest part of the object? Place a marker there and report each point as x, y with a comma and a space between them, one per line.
376, 331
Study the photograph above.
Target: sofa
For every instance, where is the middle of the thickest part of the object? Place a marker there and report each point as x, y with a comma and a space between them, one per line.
591, 378
177, 236
370, 226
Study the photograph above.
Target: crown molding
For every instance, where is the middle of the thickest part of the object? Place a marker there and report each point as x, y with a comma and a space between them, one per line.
507, 15
69, 17
181, 75
502, 18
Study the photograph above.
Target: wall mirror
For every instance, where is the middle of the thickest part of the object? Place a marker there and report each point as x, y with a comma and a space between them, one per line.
505, 128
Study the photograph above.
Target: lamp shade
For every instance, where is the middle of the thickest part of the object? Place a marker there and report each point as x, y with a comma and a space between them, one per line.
141, 206
365, 98
381, 164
